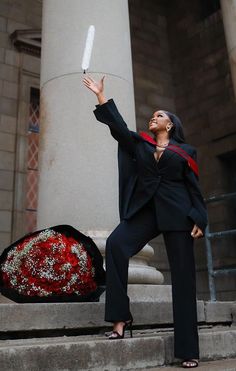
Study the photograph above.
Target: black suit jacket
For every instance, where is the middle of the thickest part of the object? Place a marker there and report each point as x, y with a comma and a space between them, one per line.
178, 200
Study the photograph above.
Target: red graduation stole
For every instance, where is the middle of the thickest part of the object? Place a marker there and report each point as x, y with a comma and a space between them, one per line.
191, 163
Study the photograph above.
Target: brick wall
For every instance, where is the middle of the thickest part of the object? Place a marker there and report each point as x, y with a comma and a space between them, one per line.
14, 15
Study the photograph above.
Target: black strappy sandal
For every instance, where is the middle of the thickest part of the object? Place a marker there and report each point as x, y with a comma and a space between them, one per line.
115, 334
190, 363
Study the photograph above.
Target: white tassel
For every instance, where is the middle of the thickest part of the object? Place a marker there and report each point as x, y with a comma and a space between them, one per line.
88, 48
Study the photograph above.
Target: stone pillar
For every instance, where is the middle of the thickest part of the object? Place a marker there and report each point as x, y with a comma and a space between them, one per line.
228, 8
78, 158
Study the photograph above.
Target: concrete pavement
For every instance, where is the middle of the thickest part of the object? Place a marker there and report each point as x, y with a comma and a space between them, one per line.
221, 365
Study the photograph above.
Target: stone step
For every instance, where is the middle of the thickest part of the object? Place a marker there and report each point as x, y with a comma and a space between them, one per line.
56, 316
66, 316
147, 349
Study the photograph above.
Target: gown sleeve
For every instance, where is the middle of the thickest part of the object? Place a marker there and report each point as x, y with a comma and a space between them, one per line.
198, 212
108, 114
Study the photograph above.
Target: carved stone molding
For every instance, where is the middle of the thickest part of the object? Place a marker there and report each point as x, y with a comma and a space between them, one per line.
28, 41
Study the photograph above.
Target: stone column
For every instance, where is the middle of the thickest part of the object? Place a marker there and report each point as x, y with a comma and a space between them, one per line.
78, 158
228, 8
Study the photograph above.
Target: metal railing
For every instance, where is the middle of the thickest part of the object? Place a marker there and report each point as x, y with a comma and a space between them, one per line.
212, 272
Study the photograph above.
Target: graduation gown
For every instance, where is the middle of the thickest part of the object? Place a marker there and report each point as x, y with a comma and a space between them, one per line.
170, 181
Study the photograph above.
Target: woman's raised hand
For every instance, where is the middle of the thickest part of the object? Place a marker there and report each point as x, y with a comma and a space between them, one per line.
97, 87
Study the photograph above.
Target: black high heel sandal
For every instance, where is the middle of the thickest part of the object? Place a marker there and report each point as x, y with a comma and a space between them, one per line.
121, 336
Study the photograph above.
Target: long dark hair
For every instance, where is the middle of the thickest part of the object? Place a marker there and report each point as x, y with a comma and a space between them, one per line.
177, 130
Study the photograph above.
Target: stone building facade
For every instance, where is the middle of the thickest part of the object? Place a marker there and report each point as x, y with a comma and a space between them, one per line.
180, 63
19, 75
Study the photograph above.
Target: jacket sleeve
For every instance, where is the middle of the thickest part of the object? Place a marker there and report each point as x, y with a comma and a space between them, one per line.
108, 114
198, 212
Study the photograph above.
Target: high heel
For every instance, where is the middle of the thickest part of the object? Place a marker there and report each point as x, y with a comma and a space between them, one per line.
129, 324
121, 336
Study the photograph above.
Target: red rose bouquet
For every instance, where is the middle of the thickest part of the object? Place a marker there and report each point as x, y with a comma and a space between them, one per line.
49, 263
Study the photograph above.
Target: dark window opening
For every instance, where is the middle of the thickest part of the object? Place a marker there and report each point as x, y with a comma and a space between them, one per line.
229, 173
228, 160
32, 162
34, 110
209, 7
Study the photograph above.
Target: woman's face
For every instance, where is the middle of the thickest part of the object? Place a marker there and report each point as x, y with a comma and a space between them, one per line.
160, 121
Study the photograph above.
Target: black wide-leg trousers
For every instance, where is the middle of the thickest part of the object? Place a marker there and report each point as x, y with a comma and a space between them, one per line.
128, 238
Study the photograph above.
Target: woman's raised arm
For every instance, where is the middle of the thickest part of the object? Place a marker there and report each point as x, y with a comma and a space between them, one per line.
107, 113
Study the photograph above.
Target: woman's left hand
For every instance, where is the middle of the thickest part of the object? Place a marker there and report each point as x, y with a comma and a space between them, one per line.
196, 232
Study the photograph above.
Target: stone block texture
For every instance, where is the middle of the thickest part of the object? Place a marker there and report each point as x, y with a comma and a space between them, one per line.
14, 15
181, 64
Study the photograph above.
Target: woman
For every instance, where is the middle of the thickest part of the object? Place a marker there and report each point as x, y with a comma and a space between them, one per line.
158, 193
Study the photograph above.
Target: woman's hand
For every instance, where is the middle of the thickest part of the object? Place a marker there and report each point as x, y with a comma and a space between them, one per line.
97, 87
196, 232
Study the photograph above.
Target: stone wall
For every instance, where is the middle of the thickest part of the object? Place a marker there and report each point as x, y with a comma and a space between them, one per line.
189, 70
14, 15
153, 82
205, 101
153, 78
